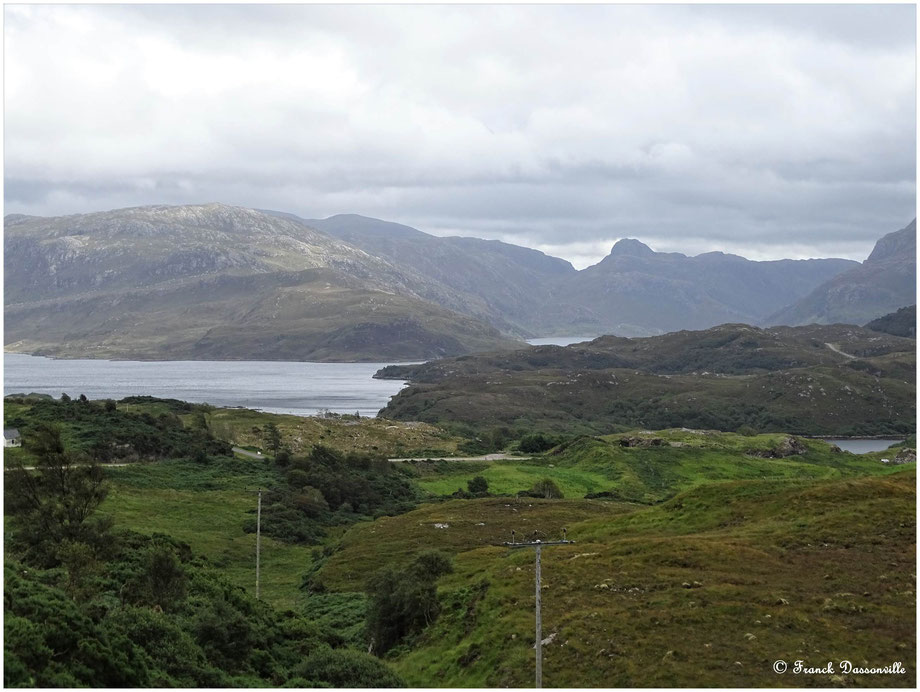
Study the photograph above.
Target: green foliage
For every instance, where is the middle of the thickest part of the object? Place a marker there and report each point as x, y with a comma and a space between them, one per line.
547, 489
329, 487
164, 577
403, 601
118, 634
344, 668
51, 508
536, 443
271, 437
143, 428
477, 484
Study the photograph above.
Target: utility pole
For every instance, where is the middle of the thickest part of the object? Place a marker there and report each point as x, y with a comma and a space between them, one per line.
258, 540
537, 545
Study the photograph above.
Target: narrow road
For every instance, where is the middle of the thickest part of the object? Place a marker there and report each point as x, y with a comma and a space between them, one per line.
247, 453
837, 350
484, 457
32, 468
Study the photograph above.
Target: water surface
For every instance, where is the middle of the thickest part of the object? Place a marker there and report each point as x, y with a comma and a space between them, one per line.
559, 340
862, 446
276, 386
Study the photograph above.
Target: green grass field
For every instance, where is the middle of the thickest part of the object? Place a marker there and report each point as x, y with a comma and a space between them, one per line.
206, 508
649, 474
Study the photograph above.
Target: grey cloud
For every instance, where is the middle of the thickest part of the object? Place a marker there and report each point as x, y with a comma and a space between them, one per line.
761, 130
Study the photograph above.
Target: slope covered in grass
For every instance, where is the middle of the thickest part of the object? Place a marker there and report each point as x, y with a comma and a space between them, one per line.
707, 589
658, 465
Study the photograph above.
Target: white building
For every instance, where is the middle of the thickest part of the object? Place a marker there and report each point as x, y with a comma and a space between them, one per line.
11, 438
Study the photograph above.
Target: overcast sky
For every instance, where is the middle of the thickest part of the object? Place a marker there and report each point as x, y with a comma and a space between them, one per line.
767, 131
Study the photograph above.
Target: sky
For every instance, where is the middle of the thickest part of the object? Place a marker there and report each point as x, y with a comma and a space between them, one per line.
765, 131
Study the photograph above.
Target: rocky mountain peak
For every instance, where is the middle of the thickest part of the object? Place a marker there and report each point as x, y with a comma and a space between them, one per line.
901, 243
630, 247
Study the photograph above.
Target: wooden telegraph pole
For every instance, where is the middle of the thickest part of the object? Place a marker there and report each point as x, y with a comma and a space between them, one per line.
537, 545
258, 540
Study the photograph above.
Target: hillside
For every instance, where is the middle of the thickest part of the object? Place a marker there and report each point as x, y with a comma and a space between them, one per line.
736, 551
215, 282
219, 282
707, 589
503, 284
885, 282
900, 323
816, 380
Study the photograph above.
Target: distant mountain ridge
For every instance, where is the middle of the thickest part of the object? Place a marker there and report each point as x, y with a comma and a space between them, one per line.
634, 291
214, 281
885, 282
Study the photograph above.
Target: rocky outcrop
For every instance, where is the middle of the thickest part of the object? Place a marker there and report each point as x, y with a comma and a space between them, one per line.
907, 455
787, 447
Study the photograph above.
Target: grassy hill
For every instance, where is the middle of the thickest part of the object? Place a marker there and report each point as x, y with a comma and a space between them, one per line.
207, 503
903, 322
833, 379
707, 589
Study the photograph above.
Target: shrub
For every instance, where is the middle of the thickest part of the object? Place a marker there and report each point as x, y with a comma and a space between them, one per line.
403, 601
546, 488
536, 443
347, 668
478, 484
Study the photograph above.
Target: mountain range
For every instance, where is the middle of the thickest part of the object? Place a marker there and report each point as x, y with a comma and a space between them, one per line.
220, 282
885, 282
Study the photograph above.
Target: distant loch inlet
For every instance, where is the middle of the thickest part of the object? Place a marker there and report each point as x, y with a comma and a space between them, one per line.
862, 446
275, 386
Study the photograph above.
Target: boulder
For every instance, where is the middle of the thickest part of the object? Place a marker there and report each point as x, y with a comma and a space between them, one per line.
906, 456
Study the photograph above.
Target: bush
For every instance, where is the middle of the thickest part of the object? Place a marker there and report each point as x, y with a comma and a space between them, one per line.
546, 488
347, 668
536, 443
404, 601
478, 484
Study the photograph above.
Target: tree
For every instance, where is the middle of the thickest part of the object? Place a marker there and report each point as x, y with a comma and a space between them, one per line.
164, 577
403, 601
271, 438
477, 485
53, 505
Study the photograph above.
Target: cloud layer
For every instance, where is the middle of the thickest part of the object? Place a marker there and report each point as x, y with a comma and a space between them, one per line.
766, 131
